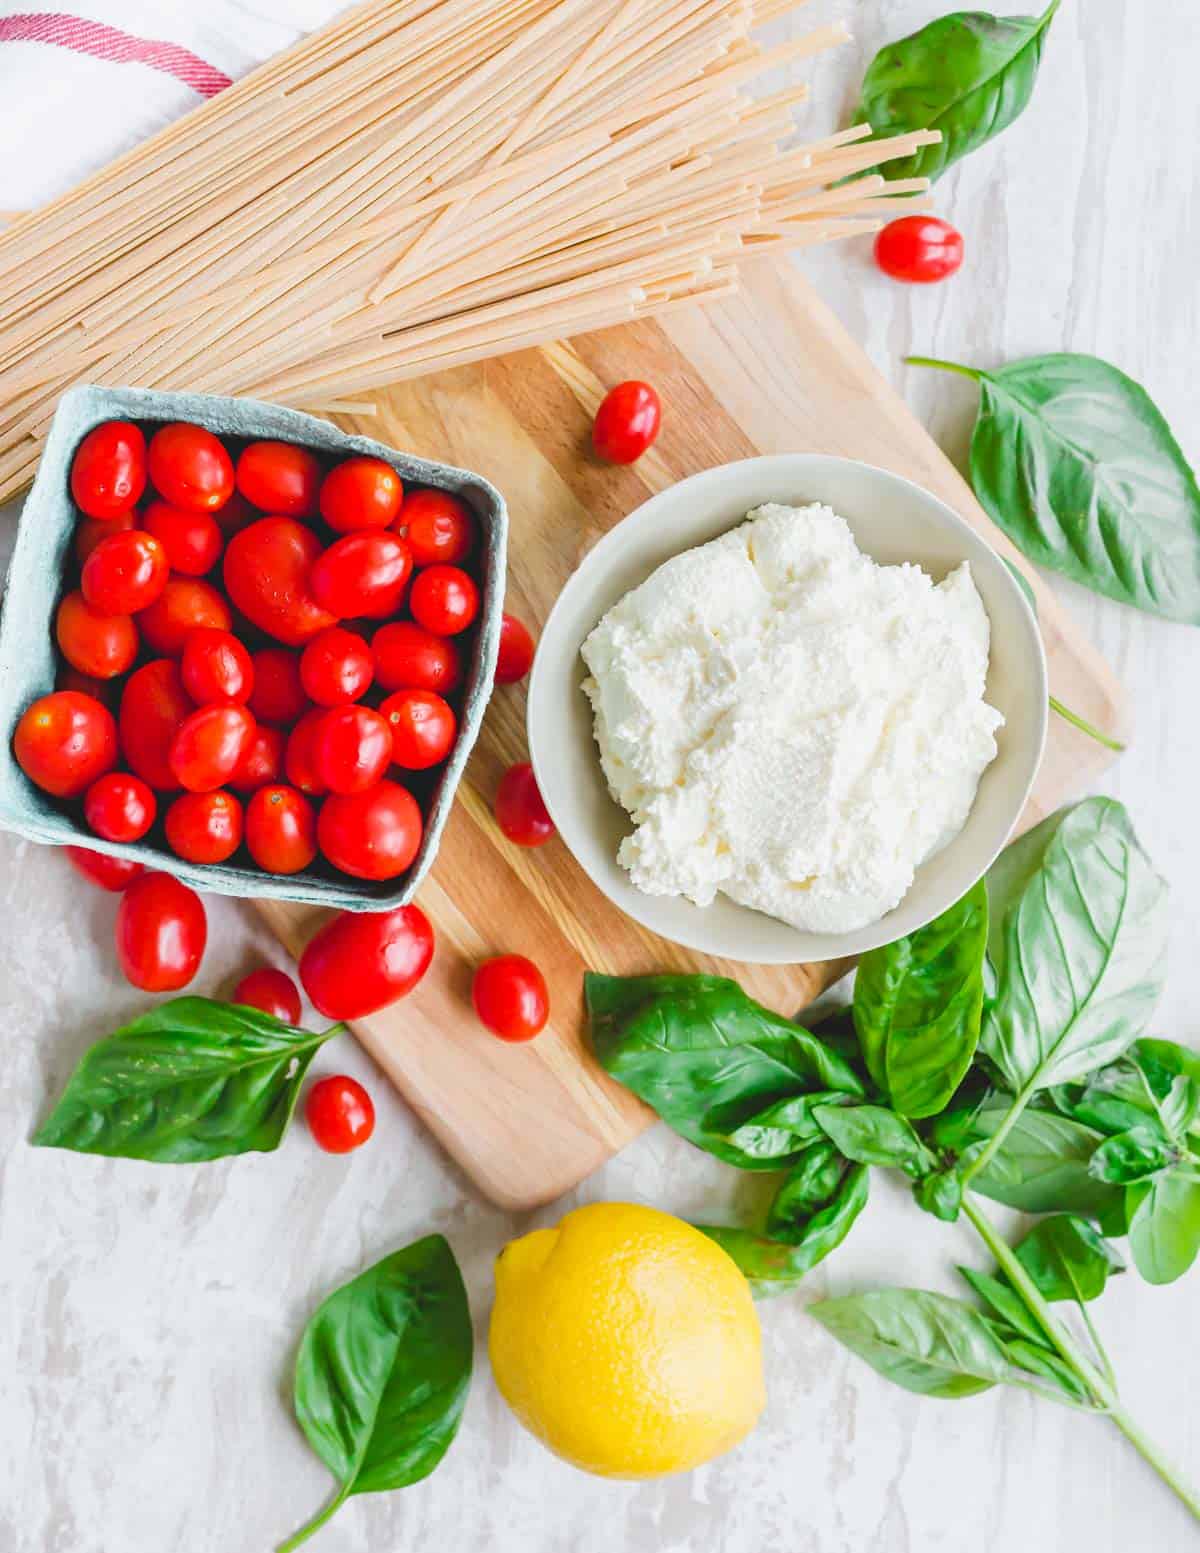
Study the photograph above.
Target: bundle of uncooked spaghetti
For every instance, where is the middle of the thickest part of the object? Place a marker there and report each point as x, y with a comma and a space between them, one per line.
422, 184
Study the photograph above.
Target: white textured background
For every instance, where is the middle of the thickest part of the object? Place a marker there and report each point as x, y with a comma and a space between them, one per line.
148, 1314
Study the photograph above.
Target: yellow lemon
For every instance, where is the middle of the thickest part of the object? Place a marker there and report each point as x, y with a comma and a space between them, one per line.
627, 1341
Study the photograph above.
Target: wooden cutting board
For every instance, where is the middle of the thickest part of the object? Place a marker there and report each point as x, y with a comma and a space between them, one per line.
768, 371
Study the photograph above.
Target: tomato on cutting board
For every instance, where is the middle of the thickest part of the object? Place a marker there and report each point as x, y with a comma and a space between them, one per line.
510, 997
627, 423
359, 962
515, 657
520, 811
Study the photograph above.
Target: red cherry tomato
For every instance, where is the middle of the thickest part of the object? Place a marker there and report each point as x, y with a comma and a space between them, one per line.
423, 728
444, 600
189, 467
263, 761
339, 1114
161, 932
90, 531
919, 249
184, 604
281, 830
515, 657
510, 997
371, 835
124, 573
272, 992
439, 528
110, 873
363, 574
192, 540
108, 472
361, 493
235, 514
280, 477
278, 696
119, 807
266, 570
94, 643
336, 667
520, 812
359, 962
215, 667
407, 657
300, 756
106, 691
352, 748
204, 827
209, 744
627, 422
64, 742
154, 706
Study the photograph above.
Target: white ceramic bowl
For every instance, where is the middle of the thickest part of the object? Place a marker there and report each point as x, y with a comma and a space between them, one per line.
893, 520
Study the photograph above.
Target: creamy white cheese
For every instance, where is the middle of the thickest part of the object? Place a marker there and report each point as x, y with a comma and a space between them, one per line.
790, 723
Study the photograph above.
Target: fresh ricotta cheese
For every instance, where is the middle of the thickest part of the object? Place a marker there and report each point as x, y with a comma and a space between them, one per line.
790, 723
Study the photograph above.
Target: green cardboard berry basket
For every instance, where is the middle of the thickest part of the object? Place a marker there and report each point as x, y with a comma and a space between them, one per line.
42, 560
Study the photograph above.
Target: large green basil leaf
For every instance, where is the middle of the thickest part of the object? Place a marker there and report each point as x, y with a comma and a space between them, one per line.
1132, 1156
1067, 1258
917, 1006
940, 1193
191, 1080
969, 75
1006, 1303
778, 1133
383, 1372
1078, 942
1164, 1224
706, 1057
1038, 1359
810, 1183
1042, 1166
873, 1135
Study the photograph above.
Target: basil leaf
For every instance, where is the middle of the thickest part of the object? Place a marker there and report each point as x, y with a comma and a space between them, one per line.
1078, 943
917, 1006
810, 1183
1005, 1301
1068, 1259
940, 1193
1042, 1166
1164, 1224
706, 1057
1180, 1106
969, 75
873, 1135
383, 1372
1132, 1156
193, 1079
1037, 1359
781, 1131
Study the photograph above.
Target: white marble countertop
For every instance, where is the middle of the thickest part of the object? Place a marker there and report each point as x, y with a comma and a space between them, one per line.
148, 1315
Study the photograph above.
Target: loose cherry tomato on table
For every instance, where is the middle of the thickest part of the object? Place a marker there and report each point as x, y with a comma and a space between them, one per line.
184, 604
339, 1114
919, 249
371, 835
515, 657
300, 755
281, 829
439, 528
444, 599
189, 467
271, 991
215, 667
351, 749
64, 742
263, 761
161, 932
124, 573
510, 997
109, 873
277, 696
361, 493
119, 807
154, 706
204, 827
108, 472
336, 667
94, 643
266, 569
359, 962
280, 477
209, 745
423, 728
407, 657
192, 540
627, 422
520, 811
90, 531
362, 574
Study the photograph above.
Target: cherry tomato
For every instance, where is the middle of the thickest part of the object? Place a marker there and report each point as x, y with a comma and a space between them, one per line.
161, 933
94, 643
209, 744
520, 812
184, 604
271, 991
407, 657
106, 691
339, 1114
336, 667
439, 528
277, 696
215, 667
627, 422
235, 514
119, 807
266, 571
124, 573
110, 873
280, 477
371, 835
263, 761
281, 829
362, 574
154, 706
919, 249
189, 467
352, 748
515, 657
510, 997
64, 742
361, 493
360, 961
90, 531
423, 728
108, 472
300, 757
204, 827
192, 540
444, 600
